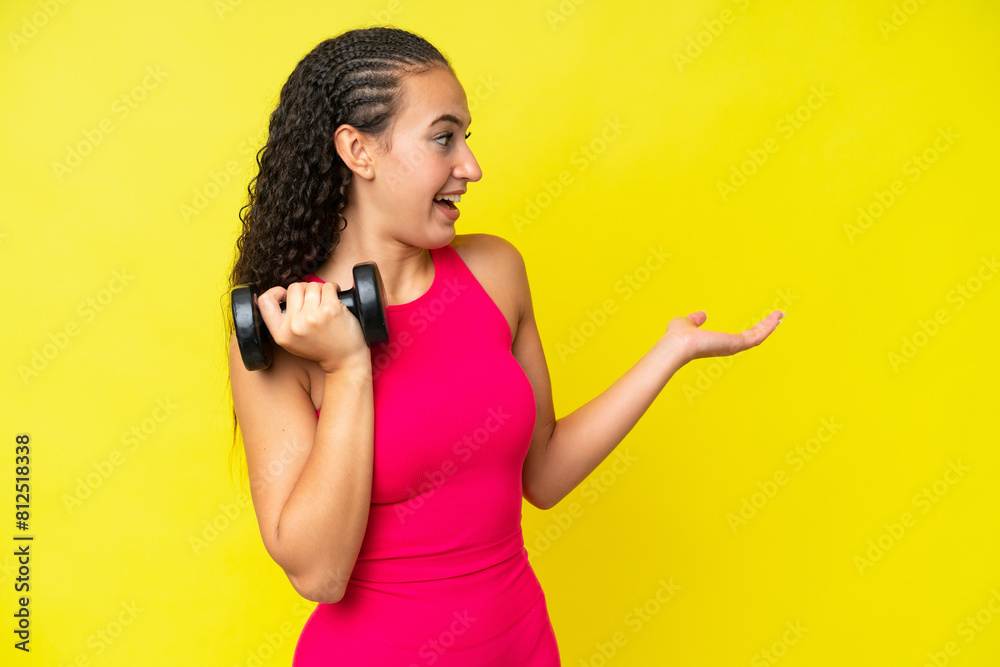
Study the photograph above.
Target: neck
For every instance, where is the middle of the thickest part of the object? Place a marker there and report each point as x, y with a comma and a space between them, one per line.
406, 271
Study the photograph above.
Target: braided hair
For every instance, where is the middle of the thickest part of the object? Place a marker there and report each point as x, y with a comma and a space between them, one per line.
294, 214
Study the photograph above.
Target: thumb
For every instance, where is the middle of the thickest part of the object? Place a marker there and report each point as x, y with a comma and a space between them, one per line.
698, 318
268, 305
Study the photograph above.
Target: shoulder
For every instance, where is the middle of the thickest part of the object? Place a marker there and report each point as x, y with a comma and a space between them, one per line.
488, 252
499, 267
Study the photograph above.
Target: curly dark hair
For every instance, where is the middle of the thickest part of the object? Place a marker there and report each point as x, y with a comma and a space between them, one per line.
294, 215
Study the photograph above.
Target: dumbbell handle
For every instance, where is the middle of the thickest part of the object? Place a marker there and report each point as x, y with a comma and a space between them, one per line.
346, 297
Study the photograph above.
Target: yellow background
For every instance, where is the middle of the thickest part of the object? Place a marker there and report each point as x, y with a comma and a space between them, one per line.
547, 82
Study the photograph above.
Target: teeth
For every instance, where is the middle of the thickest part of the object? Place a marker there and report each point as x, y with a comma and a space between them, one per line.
451, 198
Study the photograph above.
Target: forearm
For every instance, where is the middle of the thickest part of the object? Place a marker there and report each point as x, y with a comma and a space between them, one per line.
323, 522
581, 440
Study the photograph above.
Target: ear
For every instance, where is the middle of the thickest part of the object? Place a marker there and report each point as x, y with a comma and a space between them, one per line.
355, 149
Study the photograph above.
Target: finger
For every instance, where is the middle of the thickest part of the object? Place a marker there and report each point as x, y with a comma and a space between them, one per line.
270, 300
311, 298
756, 334
329, 293
269, 305
293, 301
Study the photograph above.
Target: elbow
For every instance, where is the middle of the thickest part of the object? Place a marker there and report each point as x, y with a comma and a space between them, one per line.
316, 582
325, 589
546, 505
322, 597
536, 501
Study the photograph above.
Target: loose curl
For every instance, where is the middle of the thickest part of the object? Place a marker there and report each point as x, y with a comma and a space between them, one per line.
294, 214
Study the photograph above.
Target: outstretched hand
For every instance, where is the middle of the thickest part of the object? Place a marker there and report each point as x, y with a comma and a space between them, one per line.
698, 343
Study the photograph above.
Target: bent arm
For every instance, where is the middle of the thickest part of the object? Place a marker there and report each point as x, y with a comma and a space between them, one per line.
310, 480
581, 440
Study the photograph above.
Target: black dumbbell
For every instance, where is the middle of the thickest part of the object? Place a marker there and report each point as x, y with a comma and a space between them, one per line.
366, 301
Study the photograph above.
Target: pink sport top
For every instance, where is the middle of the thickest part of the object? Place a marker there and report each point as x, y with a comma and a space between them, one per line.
442, 576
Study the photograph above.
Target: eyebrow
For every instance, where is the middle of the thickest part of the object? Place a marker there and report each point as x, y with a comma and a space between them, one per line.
448, 118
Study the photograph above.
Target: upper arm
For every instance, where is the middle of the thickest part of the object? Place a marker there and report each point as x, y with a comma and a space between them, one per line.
527, 349
277, 420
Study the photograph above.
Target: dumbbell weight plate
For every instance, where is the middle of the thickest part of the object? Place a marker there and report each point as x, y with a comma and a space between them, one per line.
372, 304
254, 339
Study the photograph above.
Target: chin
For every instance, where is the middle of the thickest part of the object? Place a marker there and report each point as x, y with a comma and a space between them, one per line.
447, 236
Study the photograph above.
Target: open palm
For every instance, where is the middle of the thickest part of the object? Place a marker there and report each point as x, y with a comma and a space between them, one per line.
698, 343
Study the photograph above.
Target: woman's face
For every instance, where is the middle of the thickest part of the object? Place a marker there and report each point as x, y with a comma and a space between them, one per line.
429, 156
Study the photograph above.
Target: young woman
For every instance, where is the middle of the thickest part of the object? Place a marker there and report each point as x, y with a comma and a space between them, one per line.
387, 481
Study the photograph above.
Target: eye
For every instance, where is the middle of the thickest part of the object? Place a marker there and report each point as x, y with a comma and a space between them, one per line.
449, 135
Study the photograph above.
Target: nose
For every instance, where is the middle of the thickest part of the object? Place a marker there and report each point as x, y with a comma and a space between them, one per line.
467, 167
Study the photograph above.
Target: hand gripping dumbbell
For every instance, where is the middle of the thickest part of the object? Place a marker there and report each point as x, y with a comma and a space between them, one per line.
366, 301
